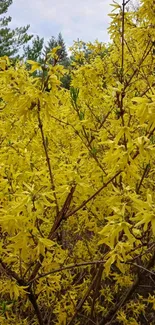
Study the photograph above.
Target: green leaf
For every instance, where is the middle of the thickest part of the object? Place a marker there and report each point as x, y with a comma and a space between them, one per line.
81, 116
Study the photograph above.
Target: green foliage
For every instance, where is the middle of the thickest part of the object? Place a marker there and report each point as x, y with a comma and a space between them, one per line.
34, 51
5, 4
11, 40
77, 195
62, 56
37, 52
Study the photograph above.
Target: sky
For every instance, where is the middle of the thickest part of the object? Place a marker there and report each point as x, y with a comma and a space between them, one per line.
86, 20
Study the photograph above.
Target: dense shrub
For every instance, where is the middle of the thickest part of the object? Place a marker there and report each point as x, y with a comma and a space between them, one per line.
77, 212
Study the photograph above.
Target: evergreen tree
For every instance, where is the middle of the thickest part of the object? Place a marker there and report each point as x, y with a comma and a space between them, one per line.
34, 51
63, 58
62, 52
11, 40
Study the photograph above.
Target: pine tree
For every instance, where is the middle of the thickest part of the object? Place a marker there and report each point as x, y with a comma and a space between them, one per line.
62, 52
11, 40
34, 51
63, 58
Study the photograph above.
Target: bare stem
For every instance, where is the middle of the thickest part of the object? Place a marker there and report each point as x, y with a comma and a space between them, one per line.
93, 196
67, 267
86, 295
47, 157
31, 296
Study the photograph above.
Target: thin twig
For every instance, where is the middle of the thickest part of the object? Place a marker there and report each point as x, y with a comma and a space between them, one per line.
61, 215
47, 157
94, 195
142, 268
146, 53
142, 178
67, 267
86, 295
31, 296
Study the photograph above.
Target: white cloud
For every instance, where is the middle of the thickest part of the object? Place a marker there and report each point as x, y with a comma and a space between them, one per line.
84, 19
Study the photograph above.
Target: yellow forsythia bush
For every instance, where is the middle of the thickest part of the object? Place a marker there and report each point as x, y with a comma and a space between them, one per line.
77, 182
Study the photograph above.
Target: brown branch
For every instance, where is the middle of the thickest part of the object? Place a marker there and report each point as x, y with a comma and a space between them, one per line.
12, 274
108, 320
96, 291
40, 125
33, 301
31, 296
126, 2
120, 304
146, 53
145, 91
36, 268
89, 142
142, 254
87, 318
104, 119
142, 268
89, 147
32, 137
121, 102
82, 301
123, 42
142, 178
93, 196
67, 267
61, 215
92, 112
